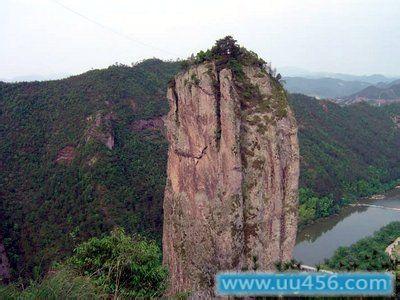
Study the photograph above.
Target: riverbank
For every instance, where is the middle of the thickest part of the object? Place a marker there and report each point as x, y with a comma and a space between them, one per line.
318, 241
367, 254
379, 196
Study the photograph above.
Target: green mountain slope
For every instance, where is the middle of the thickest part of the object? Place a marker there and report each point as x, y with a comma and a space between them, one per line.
383, 93
340, 145
346, 152
83, 154
60, 184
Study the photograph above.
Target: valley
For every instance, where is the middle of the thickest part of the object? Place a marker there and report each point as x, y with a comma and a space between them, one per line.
346, 91
199, 149
87, 153
319, 241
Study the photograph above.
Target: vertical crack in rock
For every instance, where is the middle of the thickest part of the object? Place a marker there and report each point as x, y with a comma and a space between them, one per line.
233, 164
217, 92
172, 87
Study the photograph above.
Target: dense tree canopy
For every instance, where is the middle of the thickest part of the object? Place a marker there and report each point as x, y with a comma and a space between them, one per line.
121, 265
367, 254
48, 207
115, 266
346, 152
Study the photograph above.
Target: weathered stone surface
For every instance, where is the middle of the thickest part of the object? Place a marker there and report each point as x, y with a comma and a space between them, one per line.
153, 124
233, 165
100, 128
66, 155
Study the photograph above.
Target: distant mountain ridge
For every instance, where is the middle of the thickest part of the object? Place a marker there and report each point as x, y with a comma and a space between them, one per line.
328, 85
35, 77
380, 94
298, 72
323, 87
374, 78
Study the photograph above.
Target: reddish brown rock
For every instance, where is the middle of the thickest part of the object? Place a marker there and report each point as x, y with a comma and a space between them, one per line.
153, 124
66, 155
324, 104
133, 105
233, 165
100, 129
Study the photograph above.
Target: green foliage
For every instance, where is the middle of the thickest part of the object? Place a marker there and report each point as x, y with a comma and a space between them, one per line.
291, 265
195, 79
113, 265
367, 254
236, 68
347, 153
48, 208
121, 265
226, 51
392, 109
63, 284
313, 207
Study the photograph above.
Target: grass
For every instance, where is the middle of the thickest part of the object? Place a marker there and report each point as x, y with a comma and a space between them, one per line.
64, 284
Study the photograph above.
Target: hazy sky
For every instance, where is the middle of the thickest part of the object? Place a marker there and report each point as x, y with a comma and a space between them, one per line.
350, 36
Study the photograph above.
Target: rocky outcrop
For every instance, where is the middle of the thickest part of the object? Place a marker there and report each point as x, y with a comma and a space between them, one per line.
393, 250
152, 124
233, 166
100, 129
66, 155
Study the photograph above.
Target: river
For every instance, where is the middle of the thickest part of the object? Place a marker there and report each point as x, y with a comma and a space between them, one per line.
319, 241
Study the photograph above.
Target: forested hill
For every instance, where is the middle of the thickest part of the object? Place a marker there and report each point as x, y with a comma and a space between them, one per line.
83, 154
60, 183
346, 152
343, 144
384, 93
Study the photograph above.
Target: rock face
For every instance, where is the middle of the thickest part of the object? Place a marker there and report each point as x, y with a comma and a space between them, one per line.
66, 155
153, 124
233, 166
100, 128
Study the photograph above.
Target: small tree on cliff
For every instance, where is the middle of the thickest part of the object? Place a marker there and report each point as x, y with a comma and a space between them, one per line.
226, 51
226, 47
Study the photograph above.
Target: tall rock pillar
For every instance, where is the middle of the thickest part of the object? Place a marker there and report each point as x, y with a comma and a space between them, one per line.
233, 166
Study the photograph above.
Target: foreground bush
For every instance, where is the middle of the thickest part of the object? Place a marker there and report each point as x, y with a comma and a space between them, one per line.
63, 284
115, 266
121, 265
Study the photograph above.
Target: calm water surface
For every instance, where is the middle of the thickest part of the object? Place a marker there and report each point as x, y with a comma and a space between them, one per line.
319, 241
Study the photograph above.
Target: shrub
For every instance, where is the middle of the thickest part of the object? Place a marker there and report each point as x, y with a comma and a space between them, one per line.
121, 265
63, 284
